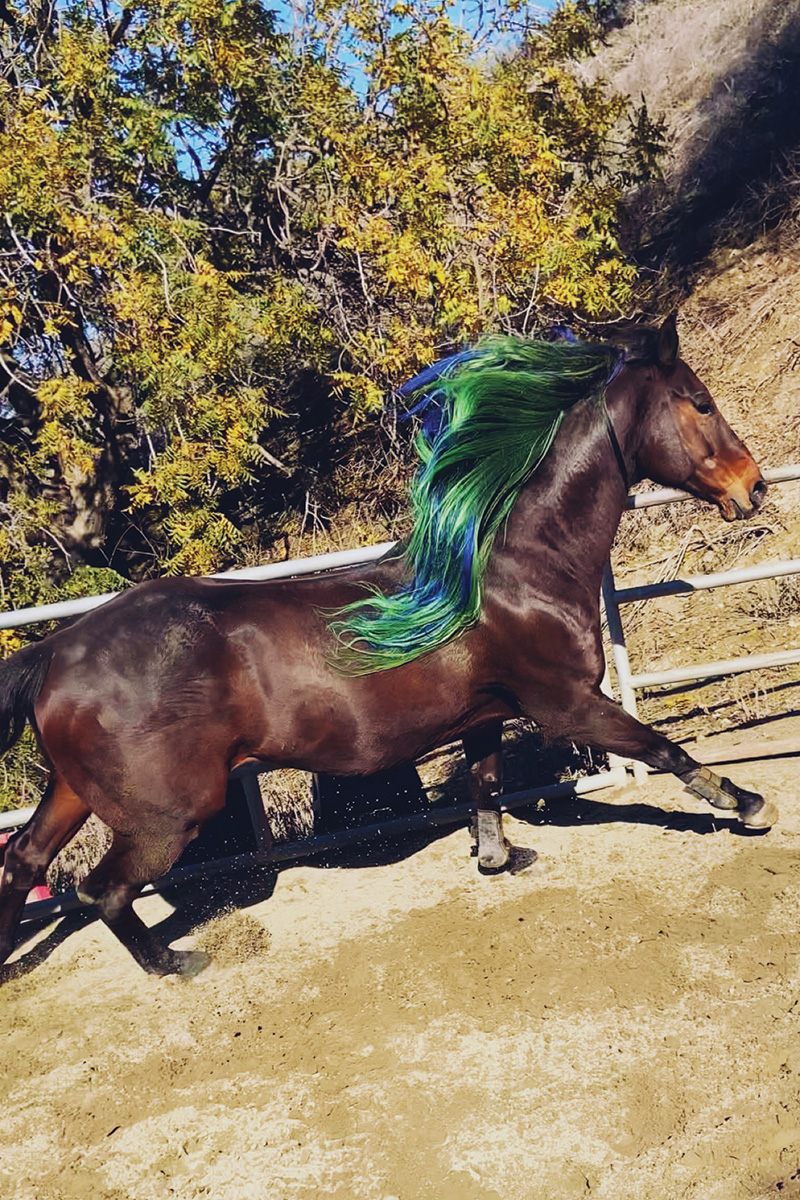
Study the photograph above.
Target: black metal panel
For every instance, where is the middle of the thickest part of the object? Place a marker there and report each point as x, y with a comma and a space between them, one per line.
345, 802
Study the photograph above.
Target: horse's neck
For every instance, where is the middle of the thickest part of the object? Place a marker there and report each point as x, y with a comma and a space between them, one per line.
566, 517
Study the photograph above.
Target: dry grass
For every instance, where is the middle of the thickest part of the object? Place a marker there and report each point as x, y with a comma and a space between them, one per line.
78, 857
351, 527
287, 801
772, 599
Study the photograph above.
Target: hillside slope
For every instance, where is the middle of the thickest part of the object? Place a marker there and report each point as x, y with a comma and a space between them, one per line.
725, 78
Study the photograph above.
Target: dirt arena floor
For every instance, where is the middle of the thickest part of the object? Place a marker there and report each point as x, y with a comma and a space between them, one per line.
620, 1023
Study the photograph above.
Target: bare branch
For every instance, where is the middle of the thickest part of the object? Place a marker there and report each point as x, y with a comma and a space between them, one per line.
167, 300
121, 28
272, 460
364, 288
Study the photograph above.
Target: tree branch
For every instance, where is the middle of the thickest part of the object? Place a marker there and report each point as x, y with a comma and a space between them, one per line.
116, 34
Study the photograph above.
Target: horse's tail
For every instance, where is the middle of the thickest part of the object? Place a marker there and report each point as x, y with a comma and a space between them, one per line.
22, 677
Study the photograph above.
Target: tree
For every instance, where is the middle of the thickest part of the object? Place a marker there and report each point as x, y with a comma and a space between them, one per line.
222, 245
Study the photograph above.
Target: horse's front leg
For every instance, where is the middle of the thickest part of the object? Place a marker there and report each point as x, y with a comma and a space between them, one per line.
593, 719
483, 751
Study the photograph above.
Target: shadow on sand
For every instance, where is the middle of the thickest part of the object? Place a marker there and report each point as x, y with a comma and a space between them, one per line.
200, 899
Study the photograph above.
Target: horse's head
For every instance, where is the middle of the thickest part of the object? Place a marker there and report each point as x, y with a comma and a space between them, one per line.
682, 440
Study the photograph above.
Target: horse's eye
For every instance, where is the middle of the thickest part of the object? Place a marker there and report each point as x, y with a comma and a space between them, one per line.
704, 408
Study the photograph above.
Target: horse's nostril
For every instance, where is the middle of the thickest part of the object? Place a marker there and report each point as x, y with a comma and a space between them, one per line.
758, 493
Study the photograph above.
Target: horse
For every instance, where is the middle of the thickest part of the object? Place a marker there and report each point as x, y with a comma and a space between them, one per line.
491, 611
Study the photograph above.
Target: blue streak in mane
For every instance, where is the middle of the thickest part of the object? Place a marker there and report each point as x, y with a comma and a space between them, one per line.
445, 366
432, 404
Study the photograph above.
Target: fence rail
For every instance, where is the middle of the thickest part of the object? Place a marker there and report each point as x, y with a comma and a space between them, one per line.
334, 561
668, 495
436, 817
613, 597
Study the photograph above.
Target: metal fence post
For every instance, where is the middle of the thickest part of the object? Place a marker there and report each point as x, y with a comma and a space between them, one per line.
258, 815
621, 662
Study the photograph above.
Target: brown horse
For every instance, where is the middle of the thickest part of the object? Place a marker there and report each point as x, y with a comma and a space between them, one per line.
143, 706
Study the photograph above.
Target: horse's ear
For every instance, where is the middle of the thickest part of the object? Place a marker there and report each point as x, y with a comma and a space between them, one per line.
667, 352
638, 342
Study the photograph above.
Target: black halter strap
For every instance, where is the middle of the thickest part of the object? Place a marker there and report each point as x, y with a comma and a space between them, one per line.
615, 446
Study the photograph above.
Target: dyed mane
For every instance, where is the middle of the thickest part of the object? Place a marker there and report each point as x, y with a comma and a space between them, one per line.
492, 414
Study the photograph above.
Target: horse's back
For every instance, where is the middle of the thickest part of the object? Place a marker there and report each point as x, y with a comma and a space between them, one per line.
198, 669
202, 671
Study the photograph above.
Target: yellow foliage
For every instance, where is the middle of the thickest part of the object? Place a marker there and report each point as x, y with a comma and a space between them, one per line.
66, 427
209, 234
10, 642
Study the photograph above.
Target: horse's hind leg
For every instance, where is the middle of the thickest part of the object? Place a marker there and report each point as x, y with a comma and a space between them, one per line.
30, 851
130, 862
483, 750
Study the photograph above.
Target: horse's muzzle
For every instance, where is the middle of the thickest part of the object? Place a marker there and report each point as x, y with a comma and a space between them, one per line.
742, 498
741, 504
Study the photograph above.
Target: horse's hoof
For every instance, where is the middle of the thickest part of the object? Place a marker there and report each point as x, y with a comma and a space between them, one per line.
762, 818
517, 860
522, 859
494, 863
484, 870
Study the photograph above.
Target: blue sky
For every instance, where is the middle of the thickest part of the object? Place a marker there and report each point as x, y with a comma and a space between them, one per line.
464, 12
290, 14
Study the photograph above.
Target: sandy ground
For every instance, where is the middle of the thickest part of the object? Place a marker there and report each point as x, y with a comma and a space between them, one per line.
622, 1023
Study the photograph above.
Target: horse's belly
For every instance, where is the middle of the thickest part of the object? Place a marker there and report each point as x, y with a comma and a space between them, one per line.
369, 725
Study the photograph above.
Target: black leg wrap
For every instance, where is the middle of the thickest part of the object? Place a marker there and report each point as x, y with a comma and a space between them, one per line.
702, 782
751, 808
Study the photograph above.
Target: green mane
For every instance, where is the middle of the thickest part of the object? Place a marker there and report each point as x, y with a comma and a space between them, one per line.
496, 410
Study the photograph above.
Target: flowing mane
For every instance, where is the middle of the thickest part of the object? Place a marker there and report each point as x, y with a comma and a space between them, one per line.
492, 413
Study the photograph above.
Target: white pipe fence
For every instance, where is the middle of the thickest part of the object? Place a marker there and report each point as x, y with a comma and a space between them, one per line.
667, 495
280, 570
628, 681
613, 597
436, 816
